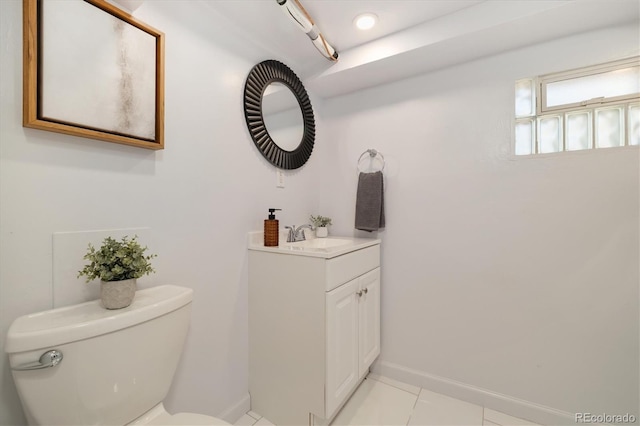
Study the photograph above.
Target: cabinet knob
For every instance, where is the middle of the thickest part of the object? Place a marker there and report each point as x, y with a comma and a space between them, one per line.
361, 292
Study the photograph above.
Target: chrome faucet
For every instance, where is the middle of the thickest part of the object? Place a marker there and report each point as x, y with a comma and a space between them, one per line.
296, 234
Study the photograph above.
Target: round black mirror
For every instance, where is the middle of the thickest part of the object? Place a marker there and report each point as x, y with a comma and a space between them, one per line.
279, 115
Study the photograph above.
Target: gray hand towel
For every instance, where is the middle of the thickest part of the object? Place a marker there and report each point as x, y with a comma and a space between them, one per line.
370, 202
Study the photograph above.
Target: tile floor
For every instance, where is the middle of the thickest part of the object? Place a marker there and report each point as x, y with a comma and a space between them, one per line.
386, 402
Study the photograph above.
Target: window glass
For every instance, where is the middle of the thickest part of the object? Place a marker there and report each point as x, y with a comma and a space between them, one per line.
550, 134
609, 84
634, 125
525, 98
609, 128
524, 137
578, 134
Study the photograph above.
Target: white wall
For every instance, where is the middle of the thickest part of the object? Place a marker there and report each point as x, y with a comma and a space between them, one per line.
199, 197
511, 282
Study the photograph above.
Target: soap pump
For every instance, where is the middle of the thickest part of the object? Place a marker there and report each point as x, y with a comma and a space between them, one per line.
271, 229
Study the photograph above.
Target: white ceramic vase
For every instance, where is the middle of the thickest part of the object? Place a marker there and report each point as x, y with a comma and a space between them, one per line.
322, 231
117, 294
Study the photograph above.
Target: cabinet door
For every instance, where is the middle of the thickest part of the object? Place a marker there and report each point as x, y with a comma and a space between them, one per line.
342, 344
369, 319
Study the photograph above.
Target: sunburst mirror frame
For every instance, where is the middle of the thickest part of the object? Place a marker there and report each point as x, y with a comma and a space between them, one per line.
258, 80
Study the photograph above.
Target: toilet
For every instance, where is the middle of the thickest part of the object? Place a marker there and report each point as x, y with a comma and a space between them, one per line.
86, 365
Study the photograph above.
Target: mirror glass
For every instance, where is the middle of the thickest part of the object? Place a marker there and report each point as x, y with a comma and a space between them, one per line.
282, 116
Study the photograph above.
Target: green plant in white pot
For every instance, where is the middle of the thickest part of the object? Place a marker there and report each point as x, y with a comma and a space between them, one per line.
117, 264
320, 224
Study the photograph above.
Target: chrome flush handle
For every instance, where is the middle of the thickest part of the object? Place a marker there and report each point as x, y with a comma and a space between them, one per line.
48, 359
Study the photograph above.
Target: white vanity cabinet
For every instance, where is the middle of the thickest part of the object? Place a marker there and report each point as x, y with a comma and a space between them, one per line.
314, 329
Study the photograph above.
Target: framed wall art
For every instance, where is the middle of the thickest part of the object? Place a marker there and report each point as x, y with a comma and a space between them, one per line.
93, 70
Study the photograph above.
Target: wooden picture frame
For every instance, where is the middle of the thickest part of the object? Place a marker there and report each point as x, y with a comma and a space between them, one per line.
92, 71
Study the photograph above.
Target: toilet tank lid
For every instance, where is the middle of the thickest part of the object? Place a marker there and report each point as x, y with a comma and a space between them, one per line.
76, 322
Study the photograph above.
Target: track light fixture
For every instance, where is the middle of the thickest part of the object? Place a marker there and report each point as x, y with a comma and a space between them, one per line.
294, 10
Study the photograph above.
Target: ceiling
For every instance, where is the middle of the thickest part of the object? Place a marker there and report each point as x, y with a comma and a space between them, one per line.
265, 22
412, 36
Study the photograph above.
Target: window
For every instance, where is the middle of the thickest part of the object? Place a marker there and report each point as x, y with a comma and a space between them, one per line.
592, 107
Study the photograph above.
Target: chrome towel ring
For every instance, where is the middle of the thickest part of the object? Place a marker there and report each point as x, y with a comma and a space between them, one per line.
373, 153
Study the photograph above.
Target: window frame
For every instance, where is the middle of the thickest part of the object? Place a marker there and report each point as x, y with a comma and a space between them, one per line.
544, 80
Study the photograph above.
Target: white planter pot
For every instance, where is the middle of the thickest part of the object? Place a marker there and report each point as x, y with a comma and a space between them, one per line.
117, 294
322, 231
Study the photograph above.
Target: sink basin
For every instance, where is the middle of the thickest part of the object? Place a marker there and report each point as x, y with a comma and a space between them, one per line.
318, 243
326, 248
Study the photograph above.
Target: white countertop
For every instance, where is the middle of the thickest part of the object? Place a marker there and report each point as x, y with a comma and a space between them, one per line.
327, 248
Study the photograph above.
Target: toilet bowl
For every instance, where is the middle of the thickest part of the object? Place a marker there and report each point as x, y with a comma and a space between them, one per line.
86, 365
158, 416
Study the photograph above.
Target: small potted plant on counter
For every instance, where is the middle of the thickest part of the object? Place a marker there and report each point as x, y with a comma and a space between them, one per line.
320, 224
117, 264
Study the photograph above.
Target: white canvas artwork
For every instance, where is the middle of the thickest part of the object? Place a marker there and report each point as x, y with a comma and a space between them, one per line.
98, 71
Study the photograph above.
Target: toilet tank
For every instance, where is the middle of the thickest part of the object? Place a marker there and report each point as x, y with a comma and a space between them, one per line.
117, 364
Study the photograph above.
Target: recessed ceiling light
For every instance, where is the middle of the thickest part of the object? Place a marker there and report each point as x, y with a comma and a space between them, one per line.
365, 21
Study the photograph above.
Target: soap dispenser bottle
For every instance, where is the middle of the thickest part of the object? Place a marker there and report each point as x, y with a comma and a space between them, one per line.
271, 229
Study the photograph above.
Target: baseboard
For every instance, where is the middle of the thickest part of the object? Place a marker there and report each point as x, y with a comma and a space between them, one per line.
506, 404
237, 410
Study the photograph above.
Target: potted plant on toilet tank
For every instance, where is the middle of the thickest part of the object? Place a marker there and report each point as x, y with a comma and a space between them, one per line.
320, 224
117, 264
